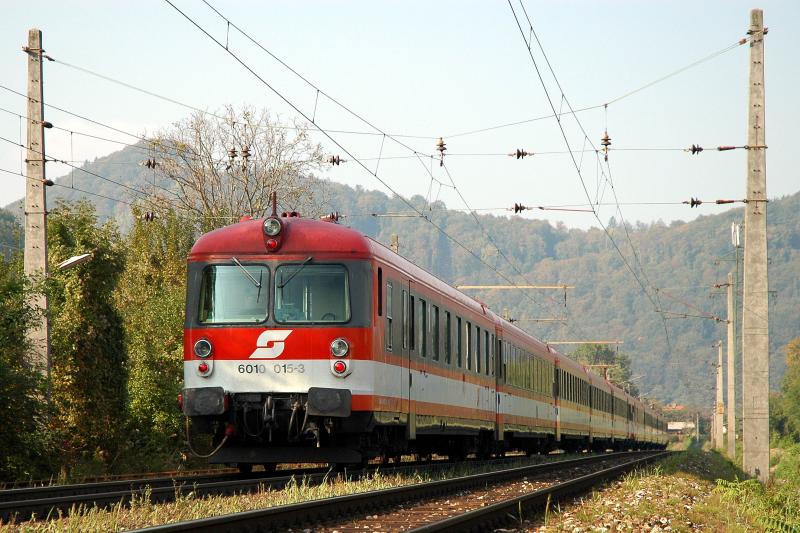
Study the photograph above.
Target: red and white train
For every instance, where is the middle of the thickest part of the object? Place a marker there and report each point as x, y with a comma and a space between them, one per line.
306, 341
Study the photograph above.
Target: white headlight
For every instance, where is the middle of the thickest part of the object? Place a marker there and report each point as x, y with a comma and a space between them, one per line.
272, 226
340, 347
202, 348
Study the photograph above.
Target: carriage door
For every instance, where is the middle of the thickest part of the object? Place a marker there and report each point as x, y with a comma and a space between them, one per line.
408, 346
498, 385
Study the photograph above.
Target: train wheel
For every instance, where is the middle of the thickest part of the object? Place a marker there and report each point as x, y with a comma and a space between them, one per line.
245, 468
269, 468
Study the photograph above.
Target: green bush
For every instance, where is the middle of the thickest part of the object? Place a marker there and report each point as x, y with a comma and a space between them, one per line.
22, 406
775, 507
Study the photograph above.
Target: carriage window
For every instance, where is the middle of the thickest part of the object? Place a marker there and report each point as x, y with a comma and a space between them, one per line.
312, 293
447, 337
405, 319
494, 355
423, 315
411, 323
459, 342
389, 302
486, 352
478, 350
380, 291
435, 339
528, 371
506, 360
231, 294
469, 346
488, 345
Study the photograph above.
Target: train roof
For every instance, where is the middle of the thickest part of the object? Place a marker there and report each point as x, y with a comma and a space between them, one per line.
299, 236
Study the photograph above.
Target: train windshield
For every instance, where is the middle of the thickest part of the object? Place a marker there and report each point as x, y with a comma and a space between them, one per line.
312, 293
234, 294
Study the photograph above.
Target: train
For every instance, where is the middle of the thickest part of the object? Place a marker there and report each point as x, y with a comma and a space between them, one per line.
306, 341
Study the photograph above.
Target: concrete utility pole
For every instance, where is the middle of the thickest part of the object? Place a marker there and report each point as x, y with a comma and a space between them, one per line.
712, 435
755, 308
35, 203
719, 406
731, 371
697, 428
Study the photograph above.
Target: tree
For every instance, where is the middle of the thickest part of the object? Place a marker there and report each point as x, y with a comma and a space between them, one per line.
227, 165
10, 233
89, 367
619, 364
151, 299
789, 410
21, 390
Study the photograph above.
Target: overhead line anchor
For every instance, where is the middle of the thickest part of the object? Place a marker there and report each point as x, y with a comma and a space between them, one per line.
520, 153
694, 202
441, 146
605, 142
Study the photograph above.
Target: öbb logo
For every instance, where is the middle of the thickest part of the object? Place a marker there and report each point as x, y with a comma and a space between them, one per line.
270, 343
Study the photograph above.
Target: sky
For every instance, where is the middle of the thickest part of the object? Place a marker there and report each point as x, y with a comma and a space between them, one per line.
427, 70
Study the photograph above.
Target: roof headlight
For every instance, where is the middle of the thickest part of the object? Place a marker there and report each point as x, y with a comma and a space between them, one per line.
202, 348
272, 226
340, 347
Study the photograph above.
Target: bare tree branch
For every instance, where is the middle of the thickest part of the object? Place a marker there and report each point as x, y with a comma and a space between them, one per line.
217, 185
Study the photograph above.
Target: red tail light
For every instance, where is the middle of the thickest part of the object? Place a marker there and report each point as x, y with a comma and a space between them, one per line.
180, 401
272, 244
203, 367
339, 367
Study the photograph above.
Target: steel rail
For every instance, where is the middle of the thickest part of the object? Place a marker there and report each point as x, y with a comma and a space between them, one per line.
312, 512
95, 487
166, 474
24, 503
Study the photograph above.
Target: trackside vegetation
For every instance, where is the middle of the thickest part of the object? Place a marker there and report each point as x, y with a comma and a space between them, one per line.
702, 489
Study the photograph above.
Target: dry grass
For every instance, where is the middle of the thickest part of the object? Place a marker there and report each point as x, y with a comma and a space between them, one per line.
143, 513
696, 491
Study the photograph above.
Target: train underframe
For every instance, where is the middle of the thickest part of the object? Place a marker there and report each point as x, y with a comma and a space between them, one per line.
316, 427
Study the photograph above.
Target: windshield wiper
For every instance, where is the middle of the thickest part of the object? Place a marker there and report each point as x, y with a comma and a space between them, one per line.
246, 273
306, 261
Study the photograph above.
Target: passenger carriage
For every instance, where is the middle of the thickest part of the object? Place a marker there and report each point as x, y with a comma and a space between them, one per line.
306, 341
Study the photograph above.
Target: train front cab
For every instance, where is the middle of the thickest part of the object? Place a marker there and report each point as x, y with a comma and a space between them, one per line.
277, 345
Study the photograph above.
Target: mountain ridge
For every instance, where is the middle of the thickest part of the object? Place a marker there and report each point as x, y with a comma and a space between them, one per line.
682, 259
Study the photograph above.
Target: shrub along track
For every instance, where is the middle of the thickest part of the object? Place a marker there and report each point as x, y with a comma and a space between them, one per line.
463, 503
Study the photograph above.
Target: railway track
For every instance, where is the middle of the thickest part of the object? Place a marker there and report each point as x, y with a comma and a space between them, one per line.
399, 508
23, 504
169, 474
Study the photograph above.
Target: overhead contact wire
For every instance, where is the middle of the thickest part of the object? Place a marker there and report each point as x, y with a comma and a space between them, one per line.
337, 143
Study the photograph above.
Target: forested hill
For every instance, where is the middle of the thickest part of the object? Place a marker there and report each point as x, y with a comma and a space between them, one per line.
684, 259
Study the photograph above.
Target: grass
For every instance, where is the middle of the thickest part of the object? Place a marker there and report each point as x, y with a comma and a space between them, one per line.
187, 506
776, 506
696, 490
